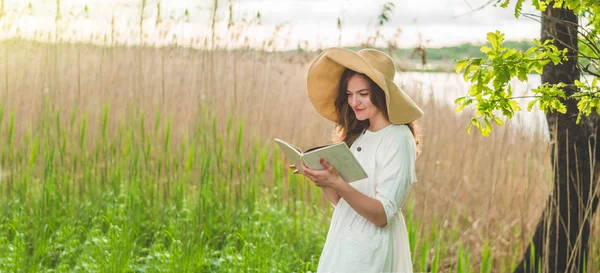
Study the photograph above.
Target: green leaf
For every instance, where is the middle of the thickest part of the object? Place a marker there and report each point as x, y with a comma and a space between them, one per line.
466, 73
522, 75
495, 39
476, 61
518, 8
461, 65
459, 108
475, 122
584, 105
485, 49
473, 90
503, 74
531, 50
465, 102
539, 67
559, 106
511, 54
498, 121
485, 131
530, 105
514, 105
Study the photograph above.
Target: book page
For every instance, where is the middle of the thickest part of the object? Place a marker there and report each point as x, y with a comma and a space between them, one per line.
340, 156
316, 148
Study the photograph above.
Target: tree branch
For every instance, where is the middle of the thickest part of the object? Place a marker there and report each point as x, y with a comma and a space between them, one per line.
474, 10
587, 70
585, 33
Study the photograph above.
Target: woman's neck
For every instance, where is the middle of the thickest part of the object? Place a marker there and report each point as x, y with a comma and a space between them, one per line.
377, 123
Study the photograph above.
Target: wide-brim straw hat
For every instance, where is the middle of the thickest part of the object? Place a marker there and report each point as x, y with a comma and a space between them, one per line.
325, 72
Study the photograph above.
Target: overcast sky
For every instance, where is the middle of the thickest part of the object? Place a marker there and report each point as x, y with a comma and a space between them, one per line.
439, 22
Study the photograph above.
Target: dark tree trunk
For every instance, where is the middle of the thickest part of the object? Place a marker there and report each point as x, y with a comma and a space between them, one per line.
560, 241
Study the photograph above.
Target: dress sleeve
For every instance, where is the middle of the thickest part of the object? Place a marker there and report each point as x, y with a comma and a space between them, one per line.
395, 170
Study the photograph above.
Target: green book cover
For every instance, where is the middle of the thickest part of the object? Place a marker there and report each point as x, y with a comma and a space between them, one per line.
337, 154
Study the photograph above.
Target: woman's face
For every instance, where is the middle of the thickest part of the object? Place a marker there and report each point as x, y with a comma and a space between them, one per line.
359, 97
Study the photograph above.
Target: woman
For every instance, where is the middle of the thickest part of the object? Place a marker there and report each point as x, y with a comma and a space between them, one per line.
376, 120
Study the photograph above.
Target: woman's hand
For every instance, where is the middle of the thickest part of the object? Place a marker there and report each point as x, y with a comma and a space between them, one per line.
332, 195
326, 178
330, 181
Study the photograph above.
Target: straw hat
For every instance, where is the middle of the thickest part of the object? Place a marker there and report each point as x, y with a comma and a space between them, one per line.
325, 72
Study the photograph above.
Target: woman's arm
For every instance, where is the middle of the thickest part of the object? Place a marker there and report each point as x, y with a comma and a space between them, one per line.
396, 173
369, 208
332, 195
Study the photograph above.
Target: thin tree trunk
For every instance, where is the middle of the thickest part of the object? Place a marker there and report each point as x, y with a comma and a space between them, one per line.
560, 241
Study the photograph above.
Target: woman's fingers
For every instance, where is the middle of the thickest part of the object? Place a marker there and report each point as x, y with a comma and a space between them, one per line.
310, 176
307, 171
326, 164
304, 167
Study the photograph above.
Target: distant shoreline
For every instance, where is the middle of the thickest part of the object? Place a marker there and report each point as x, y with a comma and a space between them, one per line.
437, 60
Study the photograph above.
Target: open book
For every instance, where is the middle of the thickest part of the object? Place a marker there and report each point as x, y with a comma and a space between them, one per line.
338, 155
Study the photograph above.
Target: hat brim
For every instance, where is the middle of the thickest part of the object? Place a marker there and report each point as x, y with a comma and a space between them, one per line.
324, 76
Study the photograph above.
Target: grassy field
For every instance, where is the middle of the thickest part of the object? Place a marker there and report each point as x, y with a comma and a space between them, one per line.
129, 159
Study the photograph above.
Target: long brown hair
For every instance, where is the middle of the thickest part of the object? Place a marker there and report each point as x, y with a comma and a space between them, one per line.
347, 127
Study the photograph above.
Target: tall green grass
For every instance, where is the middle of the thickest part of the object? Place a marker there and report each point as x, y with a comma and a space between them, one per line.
131, 200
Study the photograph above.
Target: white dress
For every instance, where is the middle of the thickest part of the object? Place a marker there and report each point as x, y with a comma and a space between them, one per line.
353, 243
